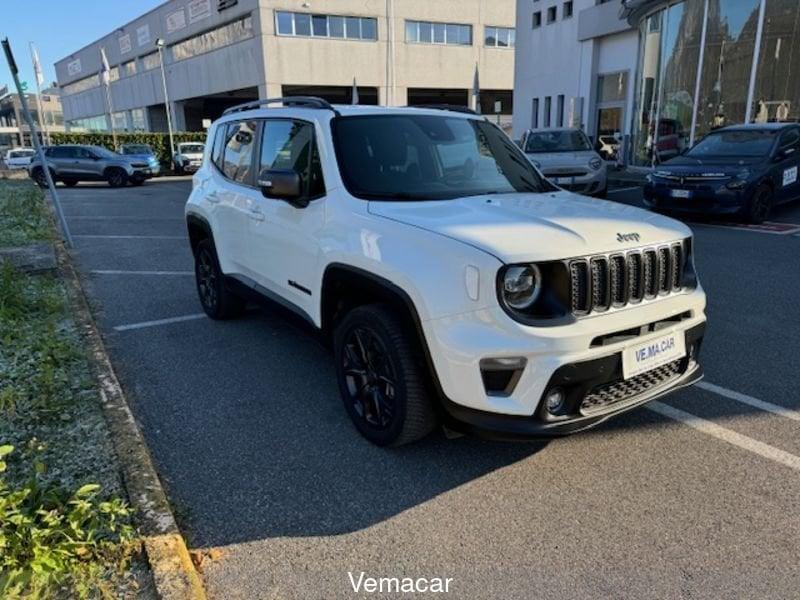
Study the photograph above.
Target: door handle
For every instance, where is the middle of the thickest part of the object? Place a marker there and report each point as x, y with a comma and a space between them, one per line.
256, 214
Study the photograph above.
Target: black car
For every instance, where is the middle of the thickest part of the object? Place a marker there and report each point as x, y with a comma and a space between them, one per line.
741, 171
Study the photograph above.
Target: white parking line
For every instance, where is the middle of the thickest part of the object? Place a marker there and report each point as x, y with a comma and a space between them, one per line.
157, 322
745, 399
131, 237
625, 189
726, 435
113, 272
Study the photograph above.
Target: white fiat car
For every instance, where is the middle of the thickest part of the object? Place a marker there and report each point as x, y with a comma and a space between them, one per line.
455, 284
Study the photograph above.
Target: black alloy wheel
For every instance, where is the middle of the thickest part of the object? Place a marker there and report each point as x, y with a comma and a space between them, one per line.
759, 206
383, 381
116, 178
217, 300
370, 378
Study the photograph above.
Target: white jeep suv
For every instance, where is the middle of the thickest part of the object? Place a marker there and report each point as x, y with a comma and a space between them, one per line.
455, 284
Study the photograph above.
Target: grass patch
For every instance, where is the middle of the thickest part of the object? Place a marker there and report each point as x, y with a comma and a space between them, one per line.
65, 530
24, 216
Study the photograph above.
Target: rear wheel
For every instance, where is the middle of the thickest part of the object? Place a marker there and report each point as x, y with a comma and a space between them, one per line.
759, 206
381, 380
217, 300
116, 178
70, 182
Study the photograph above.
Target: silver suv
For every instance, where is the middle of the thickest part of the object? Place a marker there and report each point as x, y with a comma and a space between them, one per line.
70, 164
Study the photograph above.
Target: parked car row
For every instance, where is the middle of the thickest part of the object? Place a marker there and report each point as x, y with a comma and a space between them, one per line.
133, 164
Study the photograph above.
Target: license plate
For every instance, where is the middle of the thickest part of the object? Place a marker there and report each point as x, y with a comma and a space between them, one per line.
680, 193
653, 354
563, 180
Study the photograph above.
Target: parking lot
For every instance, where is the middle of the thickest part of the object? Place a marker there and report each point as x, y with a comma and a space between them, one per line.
694, 496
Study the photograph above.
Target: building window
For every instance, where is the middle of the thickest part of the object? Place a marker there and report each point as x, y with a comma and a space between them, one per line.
551, 15
137, 120
129, 68
214, 39
150, 61
537, 19
89, 124
548, 101
535, 114
499, 37
560, 110
81, 85
612, 87
566, 10
120, 121
424, 32
326, 26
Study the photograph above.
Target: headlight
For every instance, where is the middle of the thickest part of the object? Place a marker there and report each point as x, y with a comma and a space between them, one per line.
596, 163
740, 182
521, 286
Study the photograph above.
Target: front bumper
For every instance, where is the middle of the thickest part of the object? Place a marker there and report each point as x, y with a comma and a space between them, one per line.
703, 199
568, 356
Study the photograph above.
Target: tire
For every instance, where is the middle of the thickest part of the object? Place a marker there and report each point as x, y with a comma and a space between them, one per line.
218, 302
116, 178
178, 169
39, 177
383, 384
758, 208
70, 182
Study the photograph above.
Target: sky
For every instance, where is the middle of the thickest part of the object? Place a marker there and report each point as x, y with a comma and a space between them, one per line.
58, 28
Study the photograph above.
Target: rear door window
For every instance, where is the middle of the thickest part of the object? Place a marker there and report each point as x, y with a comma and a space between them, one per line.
237, 158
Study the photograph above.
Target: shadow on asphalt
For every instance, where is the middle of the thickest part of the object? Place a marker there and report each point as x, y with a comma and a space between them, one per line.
254, 442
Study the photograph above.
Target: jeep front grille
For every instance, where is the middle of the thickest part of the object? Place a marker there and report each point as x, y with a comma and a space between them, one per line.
598, 283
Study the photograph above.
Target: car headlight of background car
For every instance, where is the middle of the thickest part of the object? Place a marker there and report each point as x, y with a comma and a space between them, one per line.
740, 181
595, 163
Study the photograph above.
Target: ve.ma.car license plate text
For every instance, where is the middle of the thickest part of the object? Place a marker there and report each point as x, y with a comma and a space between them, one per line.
653, 354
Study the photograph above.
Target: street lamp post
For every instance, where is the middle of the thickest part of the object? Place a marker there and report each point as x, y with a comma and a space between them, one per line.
160, 47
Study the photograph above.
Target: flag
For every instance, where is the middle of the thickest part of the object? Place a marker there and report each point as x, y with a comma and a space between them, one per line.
355, 92
37, 66
106, 72
476, 91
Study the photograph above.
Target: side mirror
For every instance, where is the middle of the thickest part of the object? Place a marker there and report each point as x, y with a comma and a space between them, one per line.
784, 153
282, 184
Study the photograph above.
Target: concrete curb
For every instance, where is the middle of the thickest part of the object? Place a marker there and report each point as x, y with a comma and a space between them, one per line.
173, 572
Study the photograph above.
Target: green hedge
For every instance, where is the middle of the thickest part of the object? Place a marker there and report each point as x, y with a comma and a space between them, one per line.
159, 142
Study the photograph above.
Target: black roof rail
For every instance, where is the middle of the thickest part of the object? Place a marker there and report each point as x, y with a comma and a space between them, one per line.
299, 101
450, 107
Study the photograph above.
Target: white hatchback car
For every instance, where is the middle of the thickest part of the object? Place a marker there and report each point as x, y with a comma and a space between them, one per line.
18, 158
455, 283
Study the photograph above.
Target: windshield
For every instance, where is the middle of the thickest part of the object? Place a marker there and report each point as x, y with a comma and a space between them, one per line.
423, 157
20, 153
103, 152
136, 149
191, 148
570, 140
734, 143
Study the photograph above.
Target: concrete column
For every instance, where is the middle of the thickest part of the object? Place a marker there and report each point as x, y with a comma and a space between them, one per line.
178, 116
400, 96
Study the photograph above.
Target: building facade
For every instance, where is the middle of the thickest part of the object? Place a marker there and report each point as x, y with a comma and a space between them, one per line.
14, 131
659, 74
223, 52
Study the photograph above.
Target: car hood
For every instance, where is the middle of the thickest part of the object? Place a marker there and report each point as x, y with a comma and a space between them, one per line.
563, 159
536, 227
685, 165
140, 157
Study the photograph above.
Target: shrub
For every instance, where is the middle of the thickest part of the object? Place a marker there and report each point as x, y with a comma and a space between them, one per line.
159, 142
56, 543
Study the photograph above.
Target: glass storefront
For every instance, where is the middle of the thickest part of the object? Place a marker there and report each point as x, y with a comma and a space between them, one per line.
690, 81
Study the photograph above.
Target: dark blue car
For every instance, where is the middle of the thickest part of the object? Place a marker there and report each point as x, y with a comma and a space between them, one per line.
741, 171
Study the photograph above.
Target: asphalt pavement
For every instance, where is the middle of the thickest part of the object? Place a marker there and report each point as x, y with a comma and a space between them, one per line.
696, 496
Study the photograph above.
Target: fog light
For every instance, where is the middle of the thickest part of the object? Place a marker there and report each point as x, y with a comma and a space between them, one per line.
554, 401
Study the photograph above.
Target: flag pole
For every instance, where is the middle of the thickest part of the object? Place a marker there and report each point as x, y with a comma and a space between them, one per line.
106, 76
37, 75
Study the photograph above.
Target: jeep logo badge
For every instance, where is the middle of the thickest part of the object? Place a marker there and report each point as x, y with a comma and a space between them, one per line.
627, 237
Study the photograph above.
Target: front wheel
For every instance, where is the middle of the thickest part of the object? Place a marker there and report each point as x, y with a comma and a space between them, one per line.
757, 209
217, 300
39, 177
381, 379
116, 178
